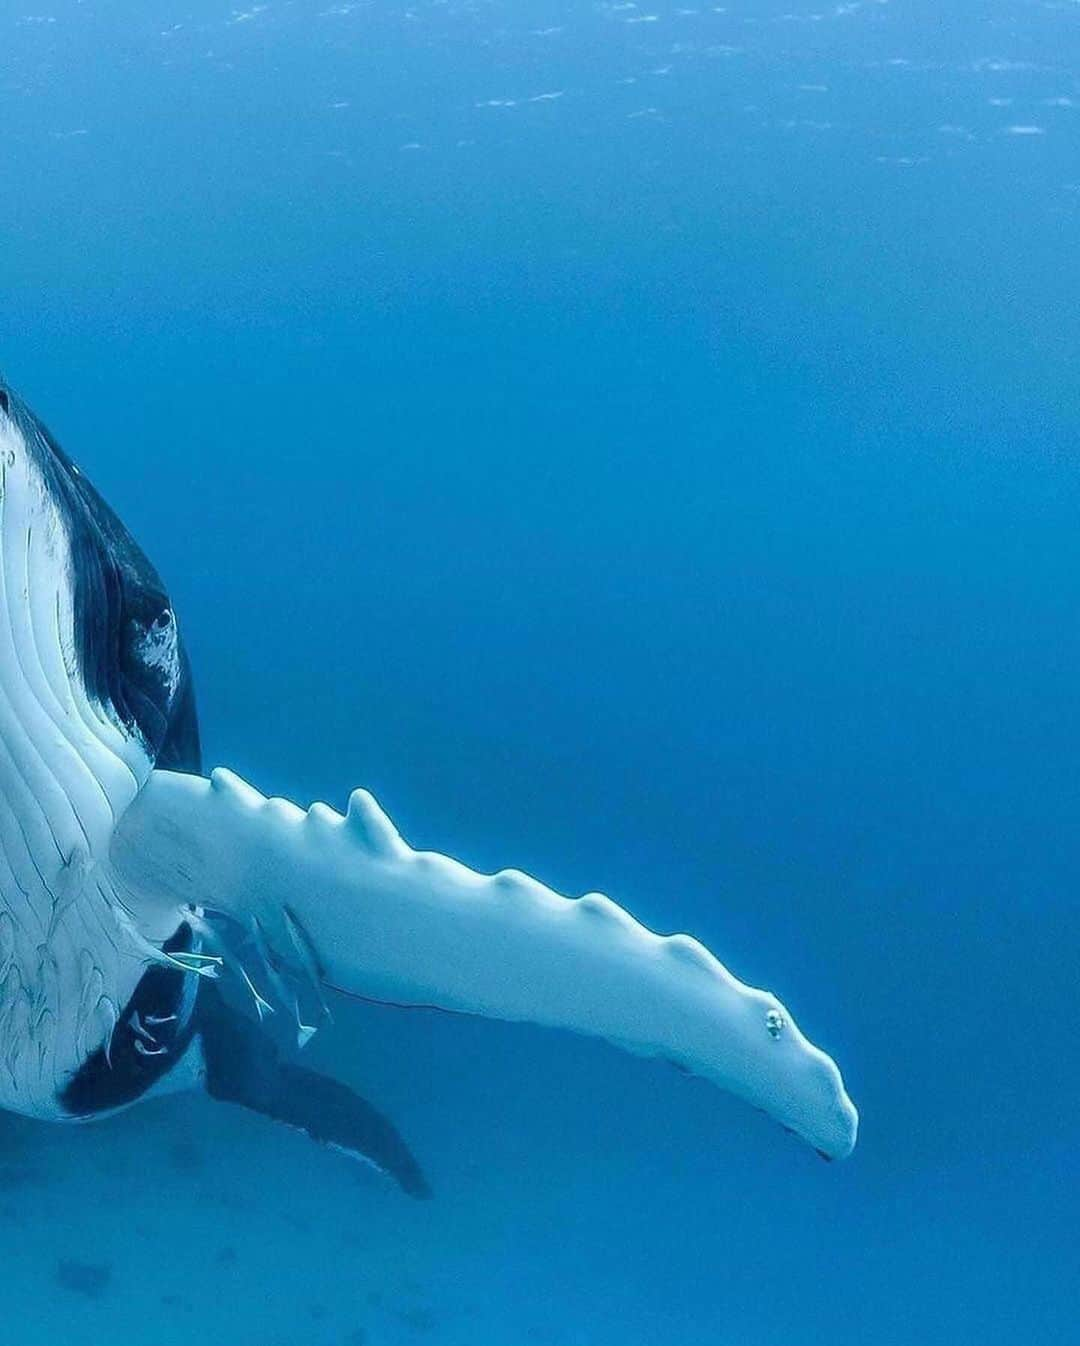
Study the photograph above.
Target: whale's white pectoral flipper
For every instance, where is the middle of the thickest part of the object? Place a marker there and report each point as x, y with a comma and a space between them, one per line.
124, 873
346, 901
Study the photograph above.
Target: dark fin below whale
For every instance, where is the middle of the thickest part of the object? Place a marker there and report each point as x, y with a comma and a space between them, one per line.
243, 1066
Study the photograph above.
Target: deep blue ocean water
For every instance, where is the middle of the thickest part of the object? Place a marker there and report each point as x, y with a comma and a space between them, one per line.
639, 442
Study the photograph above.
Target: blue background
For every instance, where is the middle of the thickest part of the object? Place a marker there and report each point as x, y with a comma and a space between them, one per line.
669, 487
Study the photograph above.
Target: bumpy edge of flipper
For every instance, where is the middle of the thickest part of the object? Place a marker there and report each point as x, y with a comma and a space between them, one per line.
343, 901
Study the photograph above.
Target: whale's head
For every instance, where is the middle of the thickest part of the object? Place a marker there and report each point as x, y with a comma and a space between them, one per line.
125, 647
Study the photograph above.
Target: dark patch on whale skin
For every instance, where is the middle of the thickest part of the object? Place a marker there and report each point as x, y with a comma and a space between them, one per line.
160, 1008
121, 608
154, 1031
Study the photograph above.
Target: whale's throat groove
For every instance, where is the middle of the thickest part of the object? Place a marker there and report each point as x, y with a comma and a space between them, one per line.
68, 770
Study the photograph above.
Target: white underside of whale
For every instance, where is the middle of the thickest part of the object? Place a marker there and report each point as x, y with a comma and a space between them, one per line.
69, 958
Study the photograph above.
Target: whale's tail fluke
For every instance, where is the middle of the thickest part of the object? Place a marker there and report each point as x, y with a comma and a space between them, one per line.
326, 900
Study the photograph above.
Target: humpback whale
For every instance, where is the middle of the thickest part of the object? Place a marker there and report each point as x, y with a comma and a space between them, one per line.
154, 920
